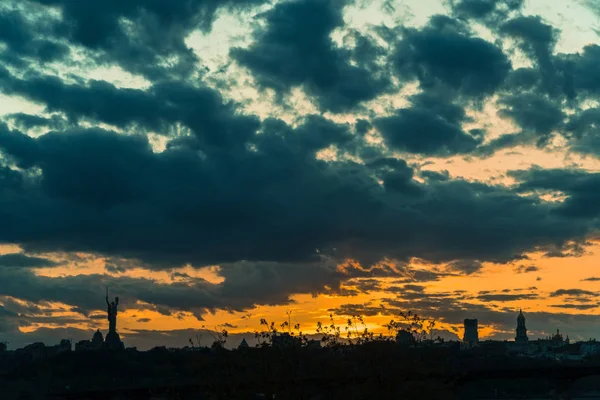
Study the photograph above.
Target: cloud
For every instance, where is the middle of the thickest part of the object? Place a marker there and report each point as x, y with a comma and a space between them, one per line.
532, 113
579, 186
576, 306
258, 205
501, 297
445, 52
592, 5
26, 39
294, 49
210, 118
466, 266
486, 10
580, 130
572, 292
525, 269
115, 269
142, 37
535, 38
20, 260
245, 285
432, 126
27, 121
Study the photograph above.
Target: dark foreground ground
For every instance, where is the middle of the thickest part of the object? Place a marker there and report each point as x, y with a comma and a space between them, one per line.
376, 371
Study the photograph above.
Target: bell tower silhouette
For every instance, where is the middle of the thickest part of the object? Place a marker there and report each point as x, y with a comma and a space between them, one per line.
521, 329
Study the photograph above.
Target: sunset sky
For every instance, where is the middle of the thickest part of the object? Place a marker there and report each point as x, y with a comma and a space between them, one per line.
215, 162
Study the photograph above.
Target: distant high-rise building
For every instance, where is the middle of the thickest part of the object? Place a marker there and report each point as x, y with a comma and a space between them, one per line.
471, 336
521, 329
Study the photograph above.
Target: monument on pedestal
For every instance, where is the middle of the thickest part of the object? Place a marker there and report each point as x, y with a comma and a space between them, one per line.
112, 340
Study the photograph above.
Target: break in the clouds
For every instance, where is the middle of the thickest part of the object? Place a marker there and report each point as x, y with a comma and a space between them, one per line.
320, 154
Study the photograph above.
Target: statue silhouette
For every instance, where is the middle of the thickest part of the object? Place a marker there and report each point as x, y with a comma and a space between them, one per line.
112, 340
112, 314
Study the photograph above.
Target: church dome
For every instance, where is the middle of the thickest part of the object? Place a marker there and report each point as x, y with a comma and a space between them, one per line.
97, 339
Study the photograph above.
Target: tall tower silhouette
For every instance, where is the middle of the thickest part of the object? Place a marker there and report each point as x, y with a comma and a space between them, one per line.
521, 329
471, 336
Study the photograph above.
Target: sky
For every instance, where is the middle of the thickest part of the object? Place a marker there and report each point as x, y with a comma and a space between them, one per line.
217, 162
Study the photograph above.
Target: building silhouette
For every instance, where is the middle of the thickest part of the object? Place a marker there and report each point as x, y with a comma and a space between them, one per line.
96, 343
405, 338
471, 336
285, 340
521, 329
97, 340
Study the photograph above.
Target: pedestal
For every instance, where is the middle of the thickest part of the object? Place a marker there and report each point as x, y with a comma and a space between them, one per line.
113, 342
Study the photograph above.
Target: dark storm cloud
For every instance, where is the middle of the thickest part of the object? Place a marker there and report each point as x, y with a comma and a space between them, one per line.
567, 250
21, 260
275, 202
583, 70
294, 49
28, 121
536, 39
561, 76
533, 113
396, 175
203, 110
581, 187
536, 98
446, 52
27, 41
432, 126
581, 130
245, 285
141, 36
585, 123
19, 148
505, 141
